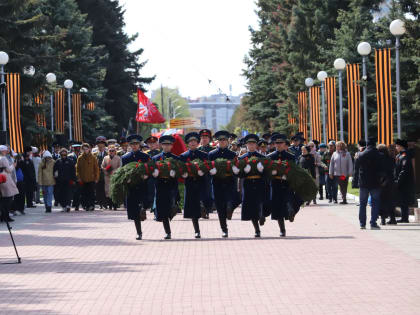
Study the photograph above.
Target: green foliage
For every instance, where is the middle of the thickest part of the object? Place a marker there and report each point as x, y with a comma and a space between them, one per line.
296, 39
174, 105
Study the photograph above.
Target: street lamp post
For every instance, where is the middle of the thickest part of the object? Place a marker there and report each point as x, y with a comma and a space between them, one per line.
322, 75
340, 65
51, 79
68, 84
397, 29
364, 50
4, 59
309, 82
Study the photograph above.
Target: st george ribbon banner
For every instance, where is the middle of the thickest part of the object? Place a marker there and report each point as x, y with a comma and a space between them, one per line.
331, 108
353, 90
13, 106
303, 113
147, 111
186, 122
315, 113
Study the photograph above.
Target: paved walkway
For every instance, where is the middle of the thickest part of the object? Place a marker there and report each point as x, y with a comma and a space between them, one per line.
90, 263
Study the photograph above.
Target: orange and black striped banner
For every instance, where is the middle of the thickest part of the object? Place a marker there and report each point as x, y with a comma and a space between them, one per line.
315, 113
384, 96
77, 117
90, 106
291, 120
59, 98
331, 94
13, 107
353, 90
303, 113
40, 121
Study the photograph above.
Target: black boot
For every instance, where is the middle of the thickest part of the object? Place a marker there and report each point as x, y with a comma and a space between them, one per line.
47, 209
383, 221
256, 227
196, 228
321, 192
223, 226
282, 228
167, 228
138, 229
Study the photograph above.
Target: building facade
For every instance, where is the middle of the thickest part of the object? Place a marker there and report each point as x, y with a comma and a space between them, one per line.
214, 111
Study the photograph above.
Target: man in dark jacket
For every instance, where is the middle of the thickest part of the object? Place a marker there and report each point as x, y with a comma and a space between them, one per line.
404, 179
65, 177
368, 172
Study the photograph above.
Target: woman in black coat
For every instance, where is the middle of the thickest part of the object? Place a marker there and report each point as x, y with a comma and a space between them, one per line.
307, 161
387, 204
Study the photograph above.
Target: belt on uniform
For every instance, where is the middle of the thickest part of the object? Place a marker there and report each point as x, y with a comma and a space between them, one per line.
277, 177
253, 177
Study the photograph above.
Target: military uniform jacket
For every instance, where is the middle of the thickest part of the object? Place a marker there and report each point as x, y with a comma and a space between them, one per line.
281, 155
404, 175
222, 154
193, 186
206, 148
152, 153
166, 191
137, 197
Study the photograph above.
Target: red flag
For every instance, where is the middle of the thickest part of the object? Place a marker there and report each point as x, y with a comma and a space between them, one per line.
147, 111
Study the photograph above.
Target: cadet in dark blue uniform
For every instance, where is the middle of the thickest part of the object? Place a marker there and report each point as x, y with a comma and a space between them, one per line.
206, 192
280, 192
137, 198
166, 188
225, 194
193, 185
253, 188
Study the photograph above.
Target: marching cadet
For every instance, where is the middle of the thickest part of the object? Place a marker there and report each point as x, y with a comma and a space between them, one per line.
137, 197
404, 179
225, 194
205, 138
123, 146
153, 144
280, 192
166, 188
193, 185
253, 188
100, 185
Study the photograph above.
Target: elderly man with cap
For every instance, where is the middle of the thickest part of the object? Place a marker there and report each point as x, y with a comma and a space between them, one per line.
100, 185
193, 185
137, 197
205, 137
253, 188
166, 188
404, 179
281, 195
225, 192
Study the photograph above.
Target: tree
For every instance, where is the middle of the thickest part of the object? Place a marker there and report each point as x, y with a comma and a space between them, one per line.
123, 66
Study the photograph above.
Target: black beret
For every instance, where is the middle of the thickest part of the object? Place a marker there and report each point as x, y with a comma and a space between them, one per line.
401, 142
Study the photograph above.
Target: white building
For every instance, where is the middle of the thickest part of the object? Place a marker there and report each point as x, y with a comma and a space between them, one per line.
214, 111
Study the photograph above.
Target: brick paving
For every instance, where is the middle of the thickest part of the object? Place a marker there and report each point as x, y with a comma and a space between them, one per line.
90, 263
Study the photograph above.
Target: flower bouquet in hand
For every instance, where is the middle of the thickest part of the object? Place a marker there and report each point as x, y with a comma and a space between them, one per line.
195, 168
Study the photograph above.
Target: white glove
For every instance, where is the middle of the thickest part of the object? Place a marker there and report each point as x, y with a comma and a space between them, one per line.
247, 168
129, 181
260, 167
155, 173
274, 172
145, 176
185, 175
284, 177
235, 170
56, 174
213, 171
172, 173
200, 173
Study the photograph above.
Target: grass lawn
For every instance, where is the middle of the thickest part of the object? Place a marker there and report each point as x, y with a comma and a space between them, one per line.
353, 191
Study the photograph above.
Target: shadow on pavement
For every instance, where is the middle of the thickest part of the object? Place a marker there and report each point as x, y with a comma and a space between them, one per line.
36, 240
35, 266
215, 239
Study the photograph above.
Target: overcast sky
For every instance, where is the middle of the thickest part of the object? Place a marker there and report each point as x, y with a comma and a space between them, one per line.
187, 42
